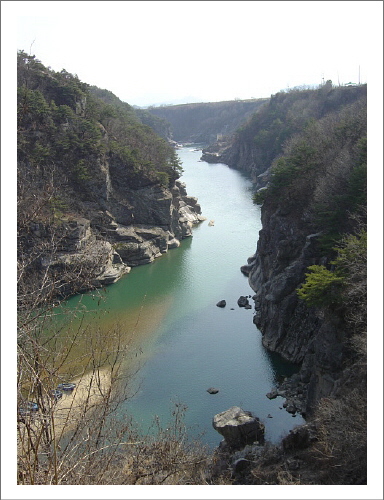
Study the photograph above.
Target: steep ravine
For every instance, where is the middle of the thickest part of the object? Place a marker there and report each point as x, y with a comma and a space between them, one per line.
98, 189
133, 229
313, 180
309, 278
289, 327
205, 122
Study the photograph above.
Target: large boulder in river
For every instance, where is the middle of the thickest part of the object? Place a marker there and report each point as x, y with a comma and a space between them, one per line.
243, 301
238, 427
213, 390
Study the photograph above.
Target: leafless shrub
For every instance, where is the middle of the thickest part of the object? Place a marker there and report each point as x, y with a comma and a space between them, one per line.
168, 456
62, 430
80, 437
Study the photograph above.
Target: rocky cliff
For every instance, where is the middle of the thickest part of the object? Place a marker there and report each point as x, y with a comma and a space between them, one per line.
260, 139
112, 240
301, 334
98, 189
160, 219
314, 188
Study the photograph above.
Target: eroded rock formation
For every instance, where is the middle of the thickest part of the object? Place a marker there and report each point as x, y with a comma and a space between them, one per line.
238, 427
106, 239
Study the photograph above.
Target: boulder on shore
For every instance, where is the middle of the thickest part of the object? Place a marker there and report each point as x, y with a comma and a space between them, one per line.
238, 427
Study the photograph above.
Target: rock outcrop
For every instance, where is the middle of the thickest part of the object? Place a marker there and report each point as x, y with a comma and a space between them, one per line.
304, 207
221, 303
238, 427
243, 301
98, 190
96, 255
120, 231
109, 243
300, 334
212, 390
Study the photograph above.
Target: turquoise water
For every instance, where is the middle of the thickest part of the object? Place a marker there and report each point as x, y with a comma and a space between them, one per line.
187, 344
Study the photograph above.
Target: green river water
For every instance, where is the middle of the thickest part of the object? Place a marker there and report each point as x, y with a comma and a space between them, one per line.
166, 312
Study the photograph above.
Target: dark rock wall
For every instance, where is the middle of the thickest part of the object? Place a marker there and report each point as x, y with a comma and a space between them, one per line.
290, 242
131, 230
98, 189
300, 334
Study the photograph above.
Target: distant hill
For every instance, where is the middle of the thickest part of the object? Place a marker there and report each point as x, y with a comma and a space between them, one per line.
206, 122
261, 139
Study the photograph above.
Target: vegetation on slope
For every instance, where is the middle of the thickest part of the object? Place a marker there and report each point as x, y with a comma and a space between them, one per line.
318, 173
204, 122
257, 143
312, 148
68, 124
71, 138
321, 177
65, 130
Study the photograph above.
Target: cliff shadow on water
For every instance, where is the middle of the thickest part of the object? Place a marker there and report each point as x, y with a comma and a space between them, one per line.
100, 194
167, 317
201, 345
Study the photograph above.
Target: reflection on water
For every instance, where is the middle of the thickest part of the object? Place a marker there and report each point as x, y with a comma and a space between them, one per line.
167, 313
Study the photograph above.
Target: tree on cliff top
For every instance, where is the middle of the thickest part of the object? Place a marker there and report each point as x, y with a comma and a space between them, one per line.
65, 122
72, 437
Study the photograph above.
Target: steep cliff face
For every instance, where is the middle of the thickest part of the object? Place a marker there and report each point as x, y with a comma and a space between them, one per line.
112, 240
148, 222
98, 190
300, 334
314, 188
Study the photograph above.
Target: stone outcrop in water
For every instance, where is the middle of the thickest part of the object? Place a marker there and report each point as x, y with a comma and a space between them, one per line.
212, 390
172, 214
81, 248
243, 301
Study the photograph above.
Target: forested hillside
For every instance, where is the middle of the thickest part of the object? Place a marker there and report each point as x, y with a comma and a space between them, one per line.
62, 120
205, 122
260, 139
90, 171
99, 192
307, 153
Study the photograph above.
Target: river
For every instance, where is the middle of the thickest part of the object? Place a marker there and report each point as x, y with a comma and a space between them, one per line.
186, 343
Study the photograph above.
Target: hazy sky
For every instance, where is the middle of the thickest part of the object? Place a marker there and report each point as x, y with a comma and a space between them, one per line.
154, 52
